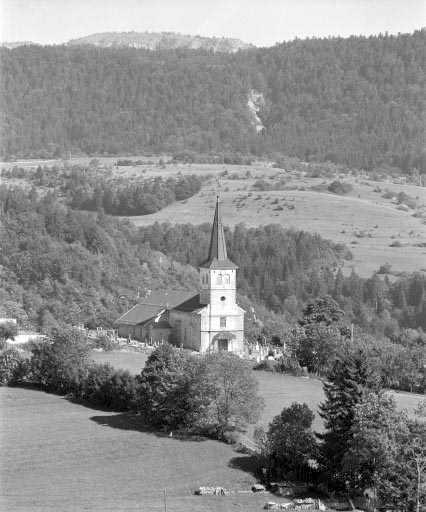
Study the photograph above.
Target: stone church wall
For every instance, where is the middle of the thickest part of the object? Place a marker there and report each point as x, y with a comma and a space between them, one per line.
186, 329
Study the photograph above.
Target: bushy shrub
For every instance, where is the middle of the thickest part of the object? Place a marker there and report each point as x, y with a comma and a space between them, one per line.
385, 268
168, 391
60, 364
289, 444
10, 366
388, 194
340, 187
291, 366
404, 198
104, 342
285, 364
8, 330
111, 388
212, 394
267, 365
94, 385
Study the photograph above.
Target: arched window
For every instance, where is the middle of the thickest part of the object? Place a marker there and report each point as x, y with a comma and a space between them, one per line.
226, 279
219, 279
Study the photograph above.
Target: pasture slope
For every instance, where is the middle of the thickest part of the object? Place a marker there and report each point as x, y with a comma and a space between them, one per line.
63, 456
59, 456
364, 220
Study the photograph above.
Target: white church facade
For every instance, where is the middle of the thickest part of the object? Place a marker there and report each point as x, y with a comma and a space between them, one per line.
209, 320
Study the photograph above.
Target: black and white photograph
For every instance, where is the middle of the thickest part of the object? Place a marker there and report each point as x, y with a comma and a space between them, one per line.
212, 255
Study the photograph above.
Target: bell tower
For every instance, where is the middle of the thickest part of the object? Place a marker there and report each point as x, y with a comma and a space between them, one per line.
222, 320
217, 274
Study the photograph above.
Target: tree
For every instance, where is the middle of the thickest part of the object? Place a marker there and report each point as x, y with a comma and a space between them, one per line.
111, 388
340, 187
211, 394
61, 363
11, 363
318, 340
289, 443
168, 388
323, 310
351, 376
373, 441
8, 331
416, 452
231, 391
317, 346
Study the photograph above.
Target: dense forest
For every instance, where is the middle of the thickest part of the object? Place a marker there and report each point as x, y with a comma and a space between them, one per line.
357, 101
61, 266
85, 192
54, 259
284, 269
86, 188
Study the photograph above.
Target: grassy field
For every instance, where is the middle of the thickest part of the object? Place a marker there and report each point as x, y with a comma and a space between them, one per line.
364, 220
63, 456
60, 456
132, 361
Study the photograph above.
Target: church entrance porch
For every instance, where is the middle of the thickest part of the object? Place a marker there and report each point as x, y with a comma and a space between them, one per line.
222, 341
222, 345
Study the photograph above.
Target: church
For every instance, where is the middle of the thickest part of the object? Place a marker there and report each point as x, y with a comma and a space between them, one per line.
209, 320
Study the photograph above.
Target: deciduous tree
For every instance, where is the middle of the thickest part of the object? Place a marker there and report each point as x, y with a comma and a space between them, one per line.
289, 443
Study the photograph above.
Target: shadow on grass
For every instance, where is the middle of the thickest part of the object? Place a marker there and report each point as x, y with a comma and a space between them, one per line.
131, 421
246, 463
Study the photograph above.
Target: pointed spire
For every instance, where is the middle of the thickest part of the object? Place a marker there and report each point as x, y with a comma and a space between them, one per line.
217, 241
218, 257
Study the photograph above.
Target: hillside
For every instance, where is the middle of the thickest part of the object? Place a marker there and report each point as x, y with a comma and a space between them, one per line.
357, 101
160, 41
59, 265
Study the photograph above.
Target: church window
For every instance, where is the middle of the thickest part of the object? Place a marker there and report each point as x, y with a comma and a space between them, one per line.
226, 279
219, 279
223, 321
223, 298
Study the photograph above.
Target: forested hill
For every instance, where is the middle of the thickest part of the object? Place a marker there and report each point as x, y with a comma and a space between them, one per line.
58, 265
359, 101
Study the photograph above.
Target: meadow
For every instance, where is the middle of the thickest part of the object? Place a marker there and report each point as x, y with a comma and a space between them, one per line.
62, 456
59, 455
372, 226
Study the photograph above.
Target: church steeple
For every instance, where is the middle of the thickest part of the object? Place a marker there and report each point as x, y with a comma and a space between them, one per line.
218, 257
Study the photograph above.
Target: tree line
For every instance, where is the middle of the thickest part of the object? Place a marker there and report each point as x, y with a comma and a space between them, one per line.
367, 443
367, 446
85, 192
284, 269
61, 266
322, 335
93, 189
213, 395
357, 101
